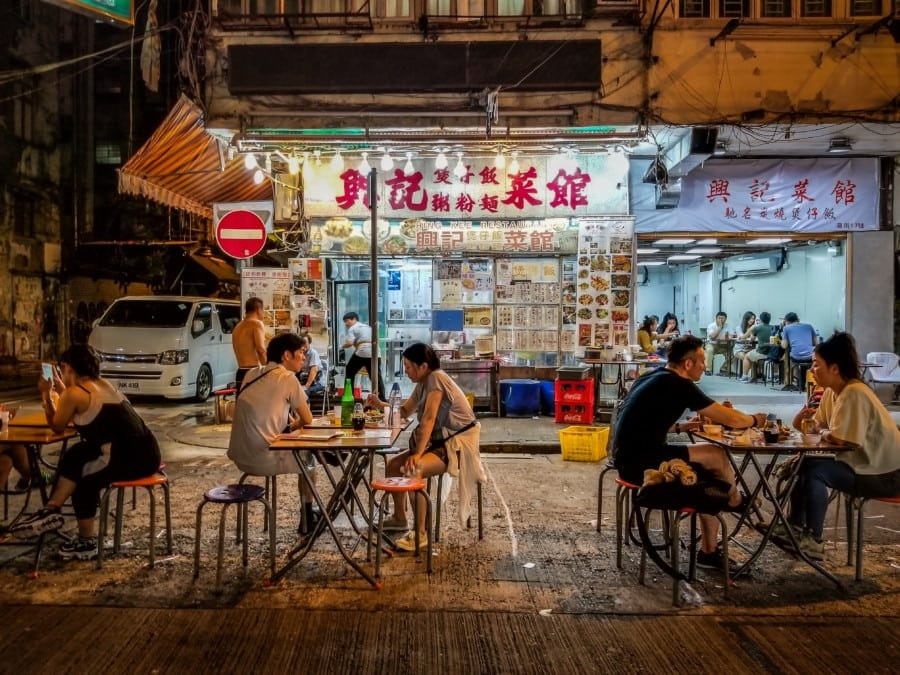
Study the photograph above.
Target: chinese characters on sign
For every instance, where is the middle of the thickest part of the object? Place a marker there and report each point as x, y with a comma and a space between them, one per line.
542, 187
808, 195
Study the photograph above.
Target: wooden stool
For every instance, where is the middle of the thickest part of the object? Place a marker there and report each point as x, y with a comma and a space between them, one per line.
220, 400
148, 483
394, 485
226, 495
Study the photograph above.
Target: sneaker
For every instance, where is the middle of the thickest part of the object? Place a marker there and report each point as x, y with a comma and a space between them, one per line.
408, 542
46, 519
745, 379
394, 525
80, 548
714, 560
815, 550
780, 532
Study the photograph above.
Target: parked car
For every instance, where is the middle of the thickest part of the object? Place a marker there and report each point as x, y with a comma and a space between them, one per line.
173, 346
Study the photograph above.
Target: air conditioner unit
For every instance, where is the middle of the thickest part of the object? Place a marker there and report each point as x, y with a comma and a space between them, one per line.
759, 265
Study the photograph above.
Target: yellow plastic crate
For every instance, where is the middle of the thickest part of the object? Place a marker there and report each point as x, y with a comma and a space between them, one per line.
584, 444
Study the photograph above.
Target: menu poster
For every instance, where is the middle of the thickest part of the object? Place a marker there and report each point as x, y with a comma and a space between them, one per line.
272, 286
308, 315
478, 317
449, 292
603, 282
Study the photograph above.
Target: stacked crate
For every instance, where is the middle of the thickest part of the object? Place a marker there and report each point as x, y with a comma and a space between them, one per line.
573, 394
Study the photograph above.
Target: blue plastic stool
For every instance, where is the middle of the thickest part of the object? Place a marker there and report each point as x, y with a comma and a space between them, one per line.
225, 495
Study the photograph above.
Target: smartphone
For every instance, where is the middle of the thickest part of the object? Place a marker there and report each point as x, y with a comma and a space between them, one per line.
47, 371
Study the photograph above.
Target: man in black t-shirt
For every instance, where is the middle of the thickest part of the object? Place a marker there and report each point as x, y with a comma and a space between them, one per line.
650, 411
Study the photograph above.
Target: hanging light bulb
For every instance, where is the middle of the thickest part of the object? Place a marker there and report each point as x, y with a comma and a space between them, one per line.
500, 159
318, 156
460, 169
258, 176
387, 163
440, 162
250, 162
268, 163
337, 162
306, 168
364, 167
293, 165
514, 164
408, 168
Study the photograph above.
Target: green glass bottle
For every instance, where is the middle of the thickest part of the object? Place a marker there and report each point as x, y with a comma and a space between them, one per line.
347, 402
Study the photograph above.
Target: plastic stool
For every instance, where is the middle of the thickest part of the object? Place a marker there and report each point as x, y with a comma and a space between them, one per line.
860, 505
624, 491
437, 516
148, 483
394, 485
225, 495
271, 493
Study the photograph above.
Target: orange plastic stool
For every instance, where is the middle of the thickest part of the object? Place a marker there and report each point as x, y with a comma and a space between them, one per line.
394, 485
148, 483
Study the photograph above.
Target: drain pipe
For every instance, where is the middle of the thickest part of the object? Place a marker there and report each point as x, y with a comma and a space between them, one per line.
723, 281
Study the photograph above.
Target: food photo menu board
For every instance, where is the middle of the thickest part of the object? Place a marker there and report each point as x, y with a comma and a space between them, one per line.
528, 312
602, 287
272, 285
308, 299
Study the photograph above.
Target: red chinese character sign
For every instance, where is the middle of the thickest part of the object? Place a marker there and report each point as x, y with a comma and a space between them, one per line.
241, 227
540, 187
769, 195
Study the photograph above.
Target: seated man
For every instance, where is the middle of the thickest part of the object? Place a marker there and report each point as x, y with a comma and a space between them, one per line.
798, 340
312, 375
271, 402
651, 410
716, 332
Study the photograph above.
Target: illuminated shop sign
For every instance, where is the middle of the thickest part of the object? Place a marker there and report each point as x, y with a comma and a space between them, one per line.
115, 11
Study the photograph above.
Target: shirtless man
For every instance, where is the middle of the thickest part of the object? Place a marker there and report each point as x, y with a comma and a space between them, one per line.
249, 341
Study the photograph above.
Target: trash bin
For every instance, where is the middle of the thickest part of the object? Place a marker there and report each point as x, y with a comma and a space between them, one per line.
548, 397
520, 398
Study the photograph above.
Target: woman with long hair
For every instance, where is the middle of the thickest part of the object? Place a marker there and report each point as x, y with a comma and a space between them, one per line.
850, 416
444, 415
646, 333
115, 445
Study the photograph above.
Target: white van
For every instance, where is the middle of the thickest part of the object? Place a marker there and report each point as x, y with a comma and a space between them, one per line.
172, 346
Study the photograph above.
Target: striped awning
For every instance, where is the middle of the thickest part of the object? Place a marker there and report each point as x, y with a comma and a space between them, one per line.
182, 166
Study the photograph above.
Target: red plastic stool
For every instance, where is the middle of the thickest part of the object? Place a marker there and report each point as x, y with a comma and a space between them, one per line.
148, 483
394, 485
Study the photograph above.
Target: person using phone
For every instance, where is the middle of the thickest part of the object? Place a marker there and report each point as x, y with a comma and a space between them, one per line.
116, 445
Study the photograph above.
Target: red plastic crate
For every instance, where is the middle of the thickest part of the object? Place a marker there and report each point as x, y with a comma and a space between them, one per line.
574, 391
574, 413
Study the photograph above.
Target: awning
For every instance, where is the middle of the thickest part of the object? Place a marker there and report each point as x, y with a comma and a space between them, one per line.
182, 166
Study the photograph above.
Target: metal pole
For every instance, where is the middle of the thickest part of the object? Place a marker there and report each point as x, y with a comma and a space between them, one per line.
373, 261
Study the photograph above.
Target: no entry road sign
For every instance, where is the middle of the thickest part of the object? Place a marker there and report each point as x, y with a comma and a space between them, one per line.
241, 234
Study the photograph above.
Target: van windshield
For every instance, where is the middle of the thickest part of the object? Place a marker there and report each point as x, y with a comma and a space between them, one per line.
147, 313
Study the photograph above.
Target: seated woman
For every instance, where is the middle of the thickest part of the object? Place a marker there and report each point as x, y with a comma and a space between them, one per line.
14, 456
762, 333
646, 334
748, 321
668, 333
444, 414
849, 415
116, 445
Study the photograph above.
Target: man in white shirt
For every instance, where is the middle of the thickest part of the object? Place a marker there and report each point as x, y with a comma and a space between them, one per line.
359, 336
716, 332
271, 402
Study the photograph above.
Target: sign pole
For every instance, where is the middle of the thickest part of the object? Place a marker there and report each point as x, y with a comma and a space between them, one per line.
373, 274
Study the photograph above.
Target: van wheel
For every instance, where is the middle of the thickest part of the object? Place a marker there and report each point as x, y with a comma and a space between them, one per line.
204, 384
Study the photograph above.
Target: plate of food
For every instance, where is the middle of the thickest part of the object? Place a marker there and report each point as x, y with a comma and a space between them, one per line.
384, 229
356, 245
394, 245
374, 417
410, 226
338, 228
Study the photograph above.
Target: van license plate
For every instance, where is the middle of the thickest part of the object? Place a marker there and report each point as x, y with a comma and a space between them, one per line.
129, 385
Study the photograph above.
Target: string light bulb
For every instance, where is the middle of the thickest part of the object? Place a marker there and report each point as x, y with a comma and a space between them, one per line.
460, 169
364, 167
440, 162
387, 163
268, 163
408, 168
258, 176
250, 162
337, 162
293, 165
514, 164
500, 160
317, 154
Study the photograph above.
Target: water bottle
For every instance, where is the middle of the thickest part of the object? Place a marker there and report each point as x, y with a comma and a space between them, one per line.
347, 403
394, 406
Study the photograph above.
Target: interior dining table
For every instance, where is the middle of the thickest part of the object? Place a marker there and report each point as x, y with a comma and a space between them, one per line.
745, 459
621, 367
335, 449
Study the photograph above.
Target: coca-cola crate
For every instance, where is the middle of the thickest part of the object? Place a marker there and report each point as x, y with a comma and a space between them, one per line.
574, 391
574, 413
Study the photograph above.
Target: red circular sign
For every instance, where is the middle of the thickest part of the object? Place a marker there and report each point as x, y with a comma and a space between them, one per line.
241, 234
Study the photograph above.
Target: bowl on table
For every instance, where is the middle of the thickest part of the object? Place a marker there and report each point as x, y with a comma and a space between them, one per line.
712, 429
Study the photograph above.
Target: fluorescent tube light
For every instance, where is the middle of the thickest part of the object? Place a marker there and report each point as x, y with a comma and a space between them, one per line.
673, 242
704, 250
647, 251
766, 241
682, 257
651, 263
